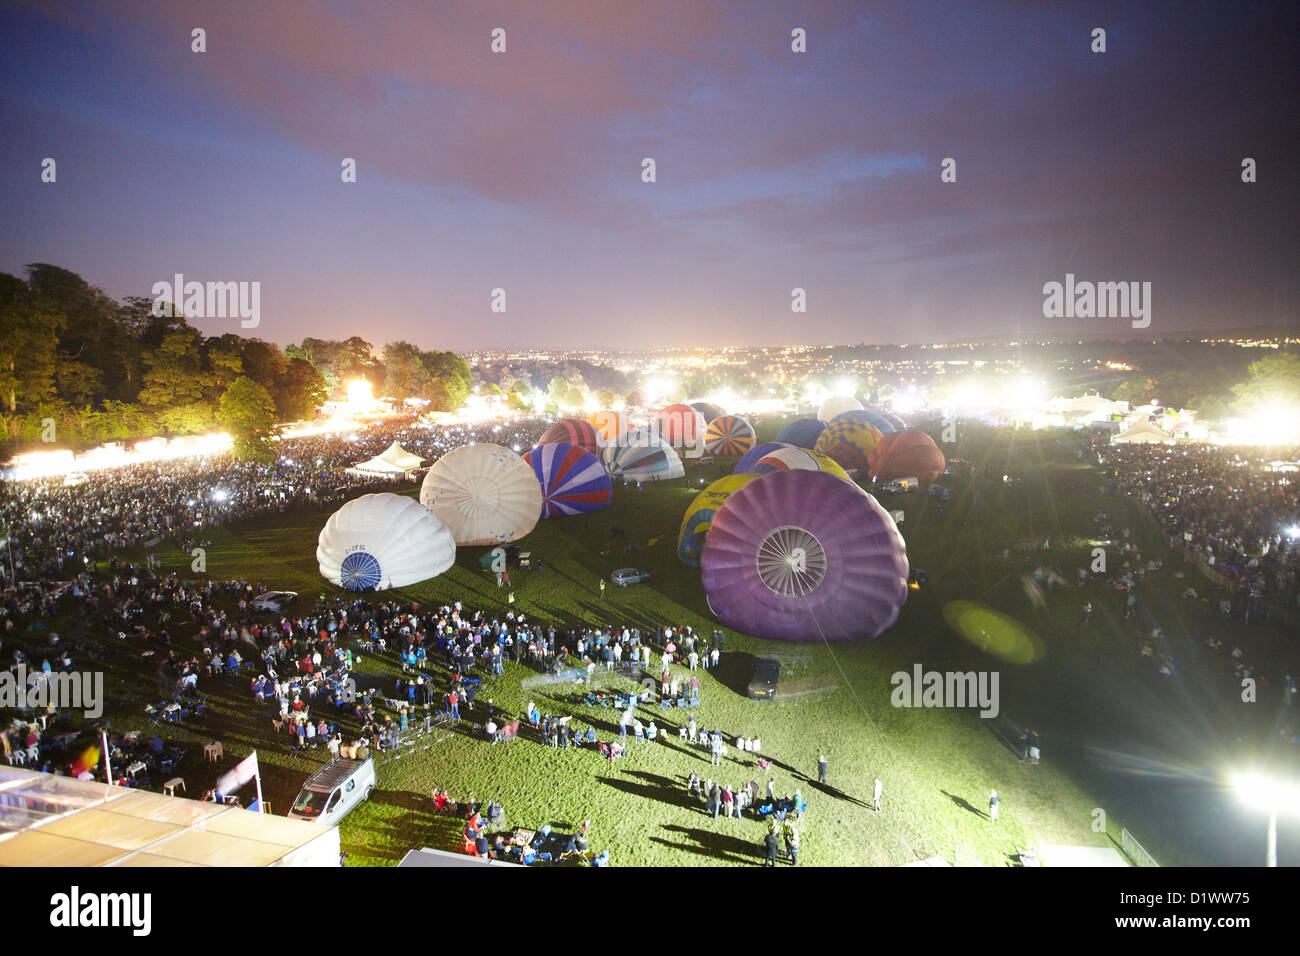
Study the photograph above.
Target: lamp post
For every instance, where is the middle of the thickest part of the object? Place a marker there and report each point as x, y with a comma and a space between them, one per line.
1270, 795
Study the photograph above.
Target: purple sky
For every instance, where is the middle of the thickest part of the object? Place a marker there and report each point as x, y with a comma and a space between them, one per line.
775, 169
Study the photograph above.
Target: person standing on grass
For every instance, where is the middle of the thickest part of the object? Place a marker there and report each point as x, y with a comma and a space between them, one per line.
602, 587
994, 802
773, 844
728, 801
790, 832
821, 768
879, 789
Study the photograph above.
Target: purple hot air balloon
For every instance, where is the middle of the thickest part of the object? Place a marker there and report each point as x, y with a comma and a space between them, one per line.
803, 432
804, 556
751, 457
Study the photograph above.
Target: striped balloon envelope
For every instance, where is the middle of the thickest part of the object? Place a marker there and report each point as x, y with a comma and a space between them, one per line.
848, 442
574, 431
751, 457
786, 459
642, 455
729, 435
572, 479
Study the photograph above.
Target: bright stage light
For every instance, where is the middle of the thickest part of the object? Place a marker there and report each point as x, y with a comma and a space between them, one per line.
360, 397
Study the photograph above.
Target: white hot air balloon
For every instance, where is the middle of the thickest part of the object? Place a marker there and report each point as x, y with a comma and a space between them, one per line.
837, 405
383, 541
483, 493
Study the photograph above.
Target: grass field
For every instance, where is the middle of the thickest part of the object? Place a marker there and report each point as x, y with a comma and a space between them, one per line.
1115, 736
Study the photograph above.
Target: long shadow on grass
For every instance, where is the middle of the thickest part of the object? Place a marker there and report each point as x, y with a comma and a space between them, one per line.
709, 843
965, 804
662, 790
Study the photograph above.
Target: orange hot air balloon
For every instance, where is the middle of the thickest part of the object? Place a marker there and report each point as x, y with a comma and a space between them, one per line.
909, 454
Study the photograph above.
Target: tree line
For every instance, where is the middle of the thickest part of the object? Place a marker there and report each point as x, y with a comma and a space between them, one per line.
80, 368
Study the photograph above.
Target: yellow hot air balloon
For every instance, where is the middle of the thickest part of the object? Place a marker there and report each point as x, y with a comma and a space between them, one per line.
695, 523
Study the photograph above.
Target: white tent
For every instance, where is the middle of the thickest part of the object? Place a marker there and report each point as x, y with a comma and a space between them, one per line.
396, 460
1142, 432
49, 820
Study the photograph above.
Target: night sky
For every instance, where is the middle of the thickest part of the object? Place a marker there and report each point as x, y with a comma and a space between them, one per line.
775, 169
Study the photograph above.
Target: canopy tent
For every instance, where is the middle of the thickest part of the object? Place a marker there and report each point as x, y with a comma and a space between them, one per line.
1142, 432
396, 460
49, 820
443, 858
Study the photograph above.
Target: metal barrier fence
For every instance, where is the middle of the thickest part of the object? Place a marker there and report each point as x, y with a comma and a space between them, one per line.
1134, 849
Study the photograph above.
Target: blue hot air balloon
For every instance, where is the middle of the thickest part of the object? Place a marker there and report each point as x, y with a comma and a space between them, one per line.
803, 432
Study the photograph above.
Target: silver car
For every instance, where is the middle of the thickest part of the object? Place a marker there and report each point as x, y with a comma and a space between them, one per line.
625, 576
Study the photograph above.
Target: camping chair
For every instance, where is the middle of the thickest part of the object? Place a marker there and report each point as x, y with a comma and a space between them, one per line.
510, 731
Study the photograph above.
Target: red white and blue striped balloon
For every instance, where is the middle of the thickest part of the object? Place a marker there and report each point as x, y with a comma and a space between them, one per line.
572, 479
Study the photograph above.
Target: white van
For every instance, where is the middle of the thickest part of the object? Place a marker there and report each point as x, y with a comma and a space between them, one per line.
332, 791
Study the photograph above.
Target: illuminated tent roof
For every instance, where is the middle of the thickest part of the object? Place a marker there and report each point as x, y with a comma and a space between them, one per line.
48, 820
1142, 433
396, 460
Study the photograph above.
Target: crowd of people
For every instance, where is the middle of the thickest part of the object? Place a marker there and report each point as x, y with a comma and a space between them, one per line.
1236, 509
56, 526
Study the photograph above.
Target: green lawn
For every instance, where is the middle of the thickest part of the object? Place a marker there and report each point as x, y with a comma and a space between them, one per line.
937, 765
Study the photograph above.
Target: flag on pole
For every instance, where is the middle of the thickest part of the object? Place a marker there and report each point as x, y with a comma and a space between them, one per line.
242, 773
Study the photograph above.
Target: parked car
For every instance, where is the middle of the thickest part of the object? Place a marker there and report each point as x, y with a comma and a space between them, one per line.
900, 486
625, 576
274, 601
332, 791
762, 684
939, 491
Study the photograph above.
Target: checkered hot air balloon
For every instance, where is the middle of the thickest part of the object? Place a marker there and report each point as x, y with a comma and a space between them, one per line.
875, 419
573, 431
848, 442
572, 479
729, 435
